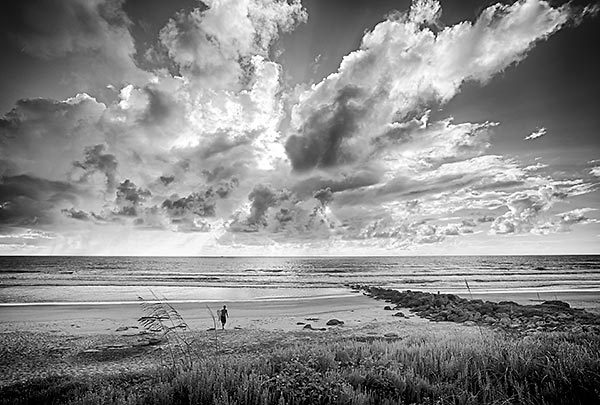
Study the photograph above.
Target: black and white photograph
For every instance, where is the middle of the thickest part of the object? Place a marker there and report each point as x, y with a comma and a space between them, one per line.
297, 202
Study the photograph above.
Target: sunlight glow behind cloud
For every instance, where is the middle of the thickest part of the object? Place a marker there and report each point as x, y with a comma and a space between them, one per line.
211, 153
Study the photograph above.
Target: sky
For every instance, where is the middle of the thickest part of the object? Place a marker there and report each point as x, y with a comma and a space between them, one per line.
321, 127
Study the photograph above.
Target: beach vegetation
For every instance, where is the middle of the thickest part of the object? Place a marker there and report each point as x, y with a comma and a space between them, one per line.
487, 368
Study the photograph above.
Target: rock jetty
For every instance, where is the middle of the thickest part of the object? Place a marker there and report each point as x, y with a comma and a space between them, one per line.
506, 315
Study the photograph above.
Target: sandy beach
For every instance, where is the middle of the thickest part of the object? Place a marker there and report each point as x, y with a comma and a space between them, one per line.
274, 314
42, 340
106, 318
52, 340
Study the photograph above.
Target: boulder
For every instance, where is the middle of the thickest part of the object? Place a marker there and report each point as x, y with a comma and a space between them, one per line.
457, 317
489, 319
390, 335
387, 308
399, 315
559, 304
334, 322
308, 326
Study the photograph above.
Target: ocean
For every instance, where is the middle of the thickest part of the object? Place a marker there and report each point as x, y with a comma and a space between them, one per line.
34, 280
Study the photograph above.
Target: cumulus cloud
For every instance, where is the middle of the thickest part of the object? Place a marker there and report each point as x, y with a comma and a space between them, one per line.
401, 67
213, 144
166, 180
536, 134
37, 134
214, 45
525, 209
425, 12
278, 214
408, 233
129, 198
261, 198
96, 161
324, 196
564, 221
187, 214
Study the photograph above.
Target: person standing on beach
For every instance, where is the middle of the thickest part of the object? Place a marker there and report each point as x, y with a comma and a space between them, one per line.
224, 316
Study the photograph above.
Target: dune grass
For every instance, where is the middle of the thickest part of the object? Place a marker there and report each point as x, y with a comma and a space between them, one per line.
549, 368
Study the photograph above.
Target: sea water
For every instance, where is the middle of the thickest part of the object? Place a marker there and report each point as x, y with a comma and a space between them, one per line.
60, 280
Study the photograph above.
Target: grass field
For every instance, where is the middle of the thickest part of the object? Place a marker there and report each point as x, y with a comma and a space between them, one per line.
486, 368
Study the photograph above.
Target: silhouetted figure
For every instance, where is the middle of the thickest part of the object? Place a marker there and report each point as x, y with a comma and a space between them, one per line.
224, 316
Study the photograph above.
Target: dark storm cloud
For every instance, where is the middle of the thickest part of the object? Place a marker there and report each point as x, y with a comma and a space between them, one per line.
129, 198
128, 192
31, 200
201, 203
35, 188
53, 28
97, 161
41, 137
306, 188
324, 196
262, 197
76, 214
166, 180
319, 143
279, 214
39, 121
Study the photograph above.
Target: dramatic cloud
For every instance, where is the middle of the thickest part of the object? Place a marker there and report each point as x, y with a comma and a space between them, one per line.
76, 214
98, 161
525, 210
565, 220
37, 135
129, 198
215, 45
536, 134
213, 147
402, 67
26, 200
92, 35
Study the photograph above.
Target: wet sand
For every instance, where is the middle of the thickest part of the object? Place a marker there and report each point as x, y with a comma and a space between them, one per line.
276, 314
589, 301
107, 318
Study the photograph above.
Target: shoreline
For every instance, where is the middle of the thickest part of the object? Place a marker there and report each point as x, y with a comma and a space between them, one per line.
268, 313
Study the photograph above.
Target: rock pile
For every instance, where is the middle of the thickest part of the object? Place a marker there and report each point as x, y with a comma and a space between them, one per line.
506, 315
